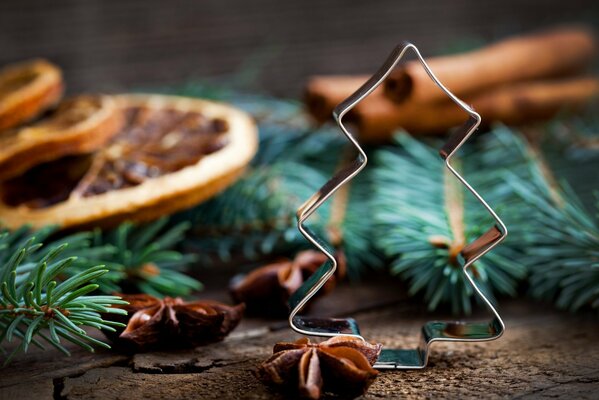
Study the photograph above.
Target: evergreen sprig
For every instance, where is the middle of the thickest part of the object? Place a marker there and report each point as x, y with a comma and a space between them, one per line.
563, 252
570, 148
139, 257
37, 306
143, 258
413, 216
255, 217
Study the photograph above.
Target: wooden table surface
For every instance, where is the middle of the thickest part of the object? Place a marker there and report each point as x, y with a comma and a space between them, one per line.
544, 353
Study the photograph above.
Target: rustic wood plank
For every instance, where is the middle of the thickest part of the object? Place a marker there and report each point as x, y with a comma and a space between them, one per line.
544, 353
540, 351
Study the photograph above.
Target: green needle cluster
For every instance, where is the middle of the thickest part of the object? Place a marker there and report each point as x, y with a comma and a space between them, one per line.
424, 217
563, 257
38, 307
143, 258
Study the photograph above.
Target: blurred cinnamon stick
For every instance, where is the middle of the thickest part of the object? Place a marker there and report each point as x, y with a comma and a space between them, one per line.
324, 92
378, 117
549, 54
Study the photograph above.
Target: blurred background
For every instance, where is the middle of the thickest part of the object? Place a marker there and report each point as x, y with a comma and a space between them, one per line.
262, 44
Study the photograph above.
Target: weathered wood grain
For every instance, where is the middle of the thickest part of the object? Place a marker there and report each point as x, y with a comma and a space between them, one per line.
544, 353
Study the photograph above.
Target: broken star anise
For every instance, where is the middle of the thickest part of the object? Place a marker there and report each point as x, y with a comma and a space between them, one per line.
340, 365
265, 290
172, 322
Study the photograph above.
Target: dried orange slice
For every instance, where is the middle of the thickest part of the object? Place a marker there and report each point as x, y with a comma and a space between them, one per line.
172, 153
26, 90
79, 125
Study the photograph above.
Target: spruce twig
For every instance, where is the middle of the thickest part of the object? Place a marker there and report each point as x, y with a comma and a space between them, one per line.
143, 259
36, 307
424, 220
288, 146
563, 252
139, 258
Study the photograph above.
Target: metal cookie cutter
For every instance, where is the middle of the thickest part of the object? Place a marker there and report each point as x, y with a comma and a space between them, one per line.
457, 331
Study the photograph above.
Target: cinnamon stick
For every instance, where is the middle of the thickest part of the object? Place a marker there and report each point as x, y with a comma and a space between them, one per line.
378, 117
323, 93
550, 54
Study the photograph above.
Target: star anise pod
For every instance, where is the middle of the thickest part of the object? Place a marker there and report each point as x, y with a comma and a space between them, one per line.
340, 365
172, 322
265, 290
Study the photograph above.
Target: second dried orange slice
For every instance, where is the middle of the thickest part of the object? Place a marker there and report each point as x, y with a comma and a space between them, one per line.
79, 125
26, 90
171, 153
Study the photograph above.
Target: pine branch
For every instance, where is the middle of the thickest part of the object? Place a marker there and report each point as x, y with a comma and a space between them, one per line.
416, 203
138, 258
358, 228
37, 308
287, 147
570, 147
142, 258
256, 216
563, 253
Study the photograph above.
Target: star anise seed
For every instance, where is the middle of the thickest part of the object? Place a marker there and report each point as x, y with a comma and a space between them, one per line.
265, 290
341, 365
172, 322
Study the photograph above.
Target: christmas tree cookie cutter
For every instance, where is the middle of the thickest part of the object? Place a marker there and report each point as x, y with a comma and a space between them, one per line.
455, 331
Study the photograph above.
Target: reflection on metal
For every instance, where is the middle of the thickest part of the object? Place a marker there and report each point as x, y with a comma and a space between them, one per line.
431, 331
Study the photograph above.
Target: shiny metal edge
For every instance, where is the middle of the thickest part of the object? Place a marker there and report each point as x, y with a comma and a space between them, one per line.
431, 331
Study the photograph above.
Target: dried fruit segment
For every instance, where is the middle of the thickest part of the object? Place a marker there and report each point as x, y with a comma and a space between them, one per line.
153, 142
170, 154
79, 125
26, 90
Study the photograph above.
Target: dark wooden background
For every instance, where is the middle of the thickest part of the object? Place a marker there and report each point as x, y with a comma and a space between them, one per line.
267, 44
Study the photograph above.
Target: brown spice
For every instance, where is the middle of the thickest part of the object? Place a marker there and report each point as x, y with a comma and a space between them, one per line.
545, 55
377, 118
341, 365
172, 322
266, 290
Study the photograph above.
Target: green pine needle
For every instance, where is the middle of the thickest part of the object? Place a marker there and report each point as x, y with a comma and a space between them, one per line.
256, 216
37, 307
143, 258
563, 255
413, 221
138, 258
